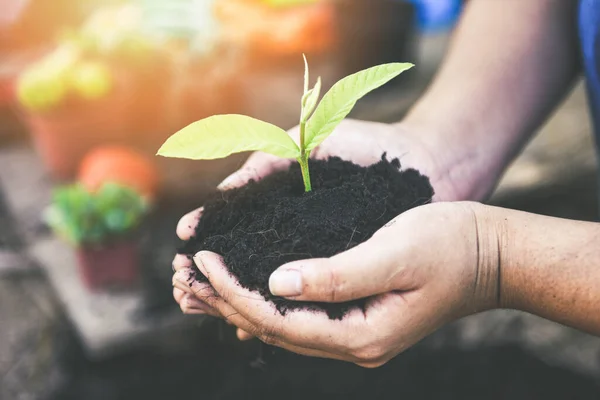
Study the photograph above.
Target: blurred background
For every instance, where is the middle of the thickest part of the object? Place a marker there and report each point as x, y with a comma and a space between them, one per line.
90, 89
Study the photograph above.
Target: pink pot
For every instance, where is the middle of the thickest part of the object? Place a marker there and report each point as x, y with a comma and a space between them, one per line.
114, 265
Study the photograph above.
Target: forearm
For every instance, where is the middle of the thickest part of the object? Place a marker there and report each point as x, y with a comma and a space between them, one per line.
510, 63
547, 266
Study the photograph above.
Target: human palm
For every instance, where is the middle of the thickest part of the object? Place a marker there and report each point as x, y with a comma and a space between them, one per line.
361, 142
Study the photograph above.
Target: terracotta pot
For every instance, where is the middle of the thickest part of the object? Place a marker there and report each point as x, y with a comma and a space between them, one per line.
6, 91
65, 135
112, 265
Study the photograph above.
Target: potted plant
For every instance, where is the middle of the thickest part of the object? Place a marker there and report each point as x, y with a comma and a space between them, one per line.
91, 89
102, 225
316, 208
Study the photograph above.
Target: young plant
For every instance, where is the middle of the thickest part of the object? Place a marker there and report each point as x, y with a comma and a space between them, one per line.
219, 136
85, 218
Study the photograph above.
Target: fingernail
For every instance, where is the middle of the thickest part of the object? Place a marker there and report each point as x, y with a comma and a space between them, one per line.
200, 264
230, 181
286, 283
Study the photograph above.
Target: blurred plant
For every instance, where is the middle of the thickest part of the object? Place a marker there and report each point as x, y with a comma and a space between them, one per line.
115, 32
91, 80
188, 22
80, 66
64, 72
84, 218
44, 84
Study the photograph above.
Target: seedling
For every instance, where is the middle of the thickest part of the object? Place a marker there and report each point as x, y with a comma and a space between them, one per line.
219, 136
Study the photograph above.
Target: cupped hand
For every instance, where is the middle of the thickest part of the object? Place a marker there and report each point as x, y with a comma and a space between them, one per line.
427, 267
358, 141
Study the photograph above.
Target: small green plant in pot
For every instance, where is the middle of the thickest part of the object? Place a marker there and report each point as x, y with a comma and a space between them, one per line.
102, 226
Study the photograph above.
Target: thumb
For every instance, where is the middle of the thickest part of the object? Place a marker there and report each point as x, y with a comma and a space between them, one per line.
256, 167
366, 270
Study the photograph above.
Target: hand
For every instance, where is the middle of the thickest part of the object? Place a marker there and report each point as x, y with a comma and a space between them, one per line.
358, 141
411, 290
362, 143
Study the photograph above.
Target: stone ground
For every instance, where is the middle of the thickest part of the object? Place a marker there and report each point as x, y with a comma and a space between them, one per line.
42, 357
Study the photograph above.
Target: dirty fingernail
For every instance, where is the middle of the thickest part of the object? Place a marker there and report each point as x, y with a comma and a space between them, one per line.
286, 283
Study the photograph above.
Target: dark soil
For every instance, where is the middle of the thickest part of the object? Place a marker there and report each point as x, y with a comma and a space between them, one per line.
265, 224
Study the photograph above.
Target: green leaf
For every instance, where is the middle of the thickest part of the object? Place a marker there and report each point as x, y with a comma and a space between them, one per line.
222, 135
306, 74
341, 98
310, 100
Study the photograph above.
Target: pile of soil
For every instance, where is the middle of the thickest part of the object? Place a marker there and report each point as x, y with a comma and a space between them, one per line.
265, 224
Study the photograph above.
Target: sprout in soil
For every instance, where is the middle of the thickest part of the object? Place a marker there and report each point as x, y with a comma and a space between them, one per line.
219, 136
84, 218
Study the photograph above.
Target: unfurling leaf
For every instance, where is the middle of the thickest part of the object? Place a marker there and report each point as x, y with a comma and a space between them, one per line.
310, 100
222, 135
341, 98
306, 74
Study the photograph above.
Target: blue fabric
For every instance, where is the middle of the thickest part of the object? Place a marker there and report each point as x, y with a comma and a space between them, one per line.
436, 15
589, 34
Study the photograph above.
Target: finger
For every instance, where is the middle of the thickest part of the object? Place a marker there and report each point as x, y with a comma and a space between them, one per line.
247, 330
181, 286
186, 227
178, 294
185, 280
305, 351
243, 335
298, 328
191, 305
256, 167
363, 271
181, 261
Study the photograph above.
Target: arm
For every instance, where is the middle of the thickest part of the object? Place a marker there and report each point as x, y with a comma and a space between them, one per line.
510, 63
549, 267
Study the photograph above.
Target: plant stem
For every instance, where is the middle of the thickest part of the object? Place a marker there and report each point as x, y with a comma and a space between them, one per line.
305, 173
303, 160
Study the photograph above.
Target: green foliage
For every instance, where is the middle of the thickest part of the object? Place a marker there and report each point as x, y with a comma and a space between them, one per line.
341, 98
310, 97
83, 218
222, 135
